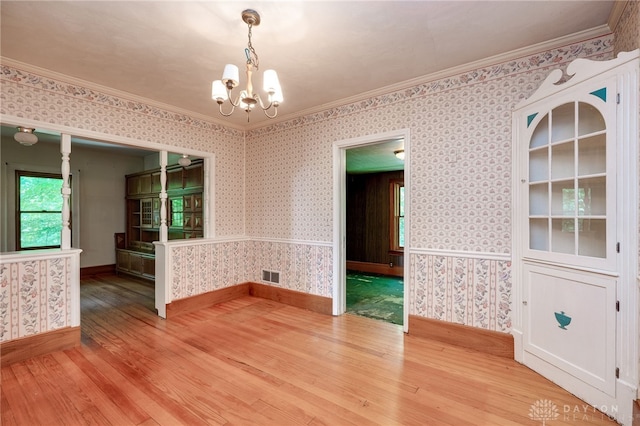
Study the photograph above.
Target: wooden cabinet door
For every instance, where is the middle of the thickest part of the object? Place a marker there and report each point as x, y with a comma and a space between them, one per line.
122, 260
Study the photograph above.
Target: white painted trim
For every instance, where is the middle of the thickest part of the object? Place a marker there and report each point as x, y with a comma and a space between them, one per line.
339, 303
29, 255
241, 238
339, 214
626, 69
580, 70
628, 216
574, 267
464, 254
208, 197
163, 278
74, 275
302, 242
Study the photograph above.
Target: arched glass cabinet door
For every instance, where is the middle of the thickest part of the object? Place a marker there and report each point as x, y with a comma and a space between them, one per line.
571, 181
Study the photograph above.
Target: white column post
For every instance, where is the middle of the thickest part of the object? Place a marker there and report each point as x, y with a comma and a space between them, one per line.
65, 150
164, 232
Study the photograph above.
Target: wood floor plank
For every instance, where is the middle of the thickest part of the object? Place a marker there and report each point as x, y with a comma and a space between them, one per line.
252, 361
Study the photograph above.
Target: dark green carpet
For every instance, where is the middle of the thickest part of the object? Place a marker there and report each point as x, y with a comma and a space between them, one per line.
375, 296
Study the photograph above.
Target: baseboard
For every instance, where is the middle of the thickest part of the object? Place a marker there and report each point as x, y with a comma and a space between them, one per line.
97, 270
375, 268
201, 301
39, 344
311, 302
320, 304
487, 341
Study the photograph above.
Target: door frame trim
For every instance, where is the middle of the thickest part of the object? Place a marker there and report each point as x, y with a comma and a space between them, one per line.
339, 215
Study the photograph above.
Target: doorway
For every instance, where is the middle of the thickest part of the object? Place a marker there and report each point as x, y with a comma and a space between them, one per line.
366, 262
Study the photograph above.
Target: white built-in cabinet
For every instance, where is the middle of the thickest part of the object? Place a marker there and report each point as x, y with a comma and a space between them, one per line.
575, 248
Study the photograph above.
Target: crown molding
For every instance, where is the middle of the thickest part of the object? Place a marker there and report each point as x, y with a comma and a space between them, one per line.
616, 14
487, 62
43, 72
449, 72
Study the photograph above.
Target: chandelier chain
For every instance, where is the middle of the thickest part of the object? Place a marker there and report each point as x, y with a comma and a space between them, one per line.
252, 56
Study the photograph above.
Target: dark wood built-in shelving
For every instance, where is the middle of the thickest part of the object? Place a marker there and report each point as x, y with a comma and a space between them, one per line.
184, 214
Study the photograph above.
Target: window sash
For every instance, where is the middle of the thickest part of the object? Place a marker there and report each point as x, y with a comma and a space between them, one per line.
396, 219
38, 215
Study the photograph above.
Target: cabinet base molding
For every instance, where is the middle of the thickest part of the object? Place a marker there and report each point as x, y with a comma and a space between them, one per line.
97, 270
298, 299
478, 339
375, 268
39, 344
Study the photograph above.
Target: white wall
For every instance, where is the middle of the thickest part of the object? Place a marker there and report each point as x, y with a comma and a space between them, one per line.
102, 192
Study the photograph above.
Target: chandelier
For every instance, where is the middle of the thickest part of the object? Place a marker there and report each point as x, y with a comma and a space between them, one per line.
247, 100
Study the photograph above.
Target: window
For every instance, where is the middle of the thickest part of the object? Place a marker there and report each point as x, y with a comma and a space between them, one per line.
39, 215
177, 212
397, 216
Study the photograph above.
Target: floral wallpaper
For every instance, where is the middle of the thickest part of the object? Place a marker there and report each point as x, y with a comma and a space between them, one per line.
460, 186
34, 297
627, 35
461, 145
463, 290
460, 156
303, 267
199, 268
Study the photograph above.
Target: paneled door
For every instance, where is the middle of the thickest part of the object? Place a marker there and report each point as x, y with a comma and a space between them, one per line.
568, 207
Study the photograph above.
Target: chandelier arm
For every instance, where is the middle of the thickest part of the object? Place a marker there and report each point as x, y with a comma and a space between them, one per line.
262, 104
233, 108
230, 99
275, 112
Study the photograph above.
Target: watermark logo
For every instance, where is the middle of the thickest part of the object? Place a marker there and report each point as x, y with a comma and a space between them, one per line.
543, 410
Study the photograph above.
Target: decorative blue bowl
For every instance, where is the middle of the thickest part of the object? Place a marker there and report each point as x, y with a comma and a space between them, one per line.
563, 319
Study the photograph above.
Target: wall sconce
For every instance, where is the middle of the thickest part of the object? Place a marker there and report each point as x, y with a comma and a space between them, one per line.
399, 153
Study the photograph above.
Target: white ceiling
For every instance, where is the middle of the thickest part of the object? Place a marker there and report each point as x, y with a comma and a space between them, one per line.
325, 52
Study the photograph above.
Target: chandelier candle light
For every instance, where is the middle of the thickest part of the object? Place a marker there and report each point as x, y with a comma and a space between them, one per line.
221, 89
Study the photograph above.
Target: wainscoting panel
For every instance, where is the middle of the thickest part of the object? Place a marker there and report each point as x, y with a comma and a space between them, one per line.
303, 266
202, 266
462, 289
39, 292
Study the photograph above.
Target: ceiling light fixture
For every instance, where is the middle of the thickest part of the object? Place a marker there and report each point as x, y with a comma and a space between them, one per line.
184, 161
247, 100
399, 153
25, 136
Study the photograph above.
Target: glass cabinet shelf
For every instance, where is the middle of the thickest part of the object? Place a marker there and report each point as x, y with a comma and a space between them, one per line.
568, 182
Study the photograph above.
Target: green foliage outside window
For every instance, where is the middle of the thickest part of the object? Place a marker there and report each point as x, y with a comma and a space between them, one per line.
40, 211
177, 209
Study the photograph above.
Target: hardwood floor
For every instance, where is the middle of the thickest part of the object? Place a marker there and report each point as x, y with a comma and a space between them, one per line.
255, 361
